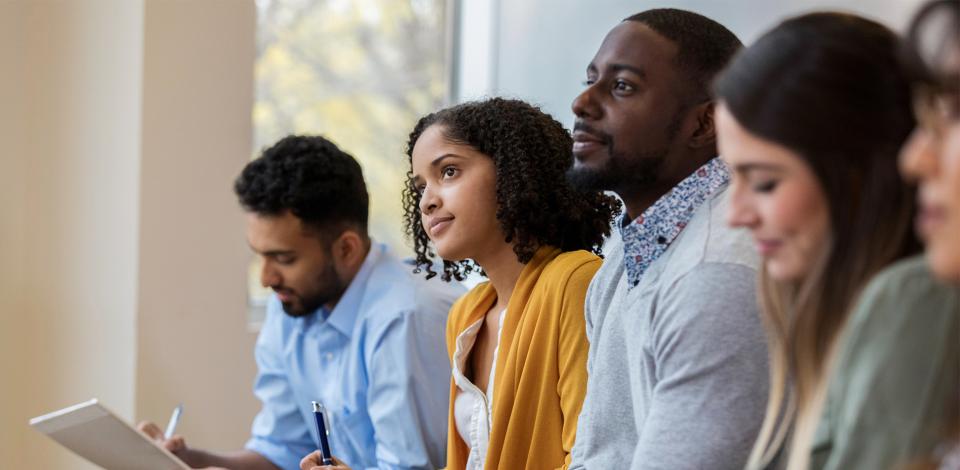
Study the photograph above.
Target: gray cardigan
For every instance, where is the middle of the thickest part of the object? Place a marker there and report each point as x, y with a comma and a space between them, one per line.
677, 365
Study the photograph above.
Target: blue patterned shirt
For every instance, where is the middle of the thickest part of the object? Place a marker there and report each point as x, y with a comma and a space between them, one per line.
648, 236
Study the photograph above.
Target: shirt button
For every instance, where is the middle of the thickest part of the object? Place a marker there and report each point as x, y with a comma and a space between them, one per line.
661, 239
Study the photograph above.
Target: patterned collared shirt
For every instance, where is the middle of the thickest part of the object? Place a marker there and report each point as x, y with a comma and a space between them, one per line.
648, 236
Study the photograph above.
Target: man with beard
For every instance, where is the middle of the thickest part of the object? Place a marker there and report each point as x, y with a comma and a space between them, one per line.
678, 361
349, 326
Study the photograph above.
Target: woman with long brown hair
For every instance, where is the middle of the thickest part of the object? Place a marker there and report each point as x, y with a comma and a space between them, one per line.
810, 121
893, 394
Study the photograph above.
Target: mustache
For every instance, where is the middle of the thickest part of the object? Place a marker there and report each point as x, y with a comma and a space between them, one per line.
579, 125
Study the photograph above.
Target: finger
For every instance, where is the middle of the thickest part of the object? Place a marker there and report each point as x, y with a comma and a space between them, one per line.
175, 443
310, 461
150, 429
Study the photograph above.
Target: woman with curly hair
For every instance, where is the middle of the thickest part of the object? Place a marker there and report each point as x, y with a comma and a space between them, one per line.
487, 189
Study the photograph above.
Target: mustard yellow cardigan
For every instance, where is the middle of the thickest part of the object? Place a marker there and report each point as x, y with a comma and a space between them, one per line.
541, 371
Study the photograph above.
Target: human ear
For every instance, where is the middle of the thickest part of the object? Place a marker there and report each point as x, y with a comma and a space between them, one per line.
705, 134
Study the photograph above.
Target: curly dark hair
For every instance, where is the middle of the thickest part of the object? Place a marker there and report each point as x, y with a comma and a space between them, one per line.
312, 178
531, 152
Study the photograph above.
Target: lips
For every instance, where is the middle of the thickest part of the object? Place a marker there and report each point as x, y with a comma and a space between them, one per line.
930, 218
438, 224
284, 295
766, 247
586, 139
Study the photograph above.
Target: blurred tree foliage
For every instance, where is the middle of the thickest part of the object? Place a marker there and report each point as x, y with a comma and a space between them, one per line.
359, 72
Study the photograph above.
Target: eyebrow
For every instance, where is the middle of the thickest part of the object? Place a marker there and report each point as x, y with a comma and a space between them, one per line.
748, 167
272, 253
619, 68
435, 163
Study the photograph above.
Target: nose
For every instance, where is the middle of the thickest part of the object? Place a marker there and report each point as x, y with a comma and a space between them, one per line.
269, 277
429, 201
585, 104
918, 157
740, 212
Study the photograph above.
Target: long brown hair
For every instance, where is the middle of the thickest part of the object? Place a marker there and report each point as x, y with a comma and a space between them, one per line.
829, 87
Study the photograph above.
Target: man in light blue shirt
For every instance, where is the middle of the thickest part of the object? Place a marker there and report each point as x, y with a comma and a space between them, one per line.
349, 324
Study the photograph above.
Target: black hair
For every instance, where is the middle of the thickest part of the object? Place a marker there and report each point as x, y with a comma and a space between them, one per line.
704, 46
310, 177
536, 206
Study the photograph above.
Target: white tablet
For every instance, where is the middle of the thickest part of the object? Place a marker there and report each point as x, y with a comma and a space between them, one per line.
94, 433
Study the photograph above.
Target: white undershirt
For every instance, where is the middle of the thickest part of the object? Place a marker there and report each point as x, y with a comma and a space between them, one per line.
472, 408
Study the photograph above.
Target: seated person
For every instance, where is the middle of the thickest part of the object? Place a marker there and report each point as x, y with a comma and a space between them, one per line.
815, 180
893, 400
488, 190
349, 325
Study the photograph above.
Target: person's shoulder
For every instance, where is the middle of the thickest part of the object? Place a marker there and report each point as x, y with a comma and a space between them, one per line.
708, 240
393, 289
902, 292
726, 244
910, 275
572, 264
467, 303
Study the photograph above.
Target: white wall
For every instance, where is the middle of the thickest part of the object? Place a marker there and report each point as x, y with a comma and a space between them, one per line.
542, 47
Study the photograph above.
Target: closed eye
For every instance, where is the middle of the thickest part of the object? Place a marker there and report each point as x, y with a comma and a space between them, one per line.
765, 186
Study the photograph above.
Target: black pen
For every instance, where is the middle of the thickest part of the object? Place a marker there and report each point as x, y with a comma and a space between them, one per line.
323, 444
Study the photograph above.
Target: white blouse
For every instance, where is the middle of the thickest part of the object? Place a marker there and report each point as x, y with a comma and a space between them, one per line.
472, 408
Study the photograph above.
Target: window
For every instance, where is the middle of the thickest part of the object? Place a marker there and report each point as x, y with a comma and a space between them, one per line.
359, 72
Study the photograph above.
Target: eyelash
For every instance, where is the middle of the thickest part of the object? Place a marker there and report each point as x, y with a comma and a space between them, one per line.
443, 174
626, 86
766, 186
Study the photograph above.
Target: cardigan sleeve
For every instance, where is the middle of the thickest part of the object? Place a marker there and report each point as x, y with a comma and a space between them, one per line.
572, 352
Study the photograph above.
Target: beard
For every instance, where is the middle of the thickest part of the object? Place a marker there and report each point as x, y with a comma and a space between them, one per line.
624, 172
329, 288
620, 173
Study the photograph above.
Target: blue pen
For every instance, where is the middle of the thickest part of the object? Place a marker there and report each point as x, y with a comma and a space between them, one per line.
324, 445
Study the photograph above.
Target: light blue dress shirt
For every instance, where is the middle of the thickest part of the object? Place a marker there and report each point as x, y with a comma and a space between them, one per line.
377, 362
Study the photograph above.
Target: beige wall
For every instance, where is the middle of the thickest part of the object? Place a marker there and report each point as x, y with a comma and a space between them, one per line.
194, 346
73, 204
122, 260
15, 323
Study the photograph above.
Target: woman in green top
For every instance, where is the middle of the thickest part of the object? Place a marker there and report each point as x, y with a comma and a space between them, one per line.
894, 398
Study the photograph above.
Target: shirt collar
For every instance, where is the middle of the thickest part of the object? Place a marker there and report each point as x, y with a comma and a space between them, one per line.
344, 314
649, 235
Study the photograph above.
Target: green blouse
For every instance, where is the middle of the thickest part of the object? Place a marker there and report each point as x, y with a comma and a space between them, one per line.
897, 370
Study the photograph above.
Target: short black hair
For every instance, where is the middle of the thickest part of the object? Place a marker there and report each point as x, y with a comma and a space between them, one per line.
704, 47
310, 177
536, 205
